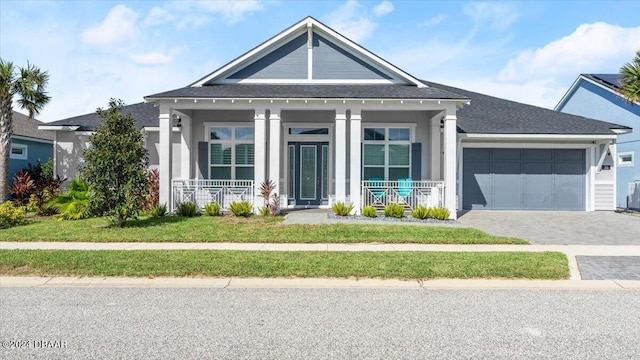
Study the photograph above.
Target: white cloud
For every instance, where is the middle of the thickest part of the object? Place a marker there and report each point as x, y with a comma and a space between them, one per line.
152, 58
233, 11
158, 16
433, 21
383, 8
118, 26
497, 16
197, 13
354, 20
593, 47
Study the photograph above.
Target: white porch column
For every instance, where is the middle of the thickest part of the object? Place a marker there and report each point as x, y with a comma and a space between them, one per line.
274, 148
450, 156
355, 160
341, 155
260, 157
436, 148
185, 146
165, 155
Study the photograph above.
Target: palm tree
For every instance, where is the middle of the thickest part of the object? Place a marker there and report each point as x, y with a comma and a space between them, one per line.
29, 85
630, 79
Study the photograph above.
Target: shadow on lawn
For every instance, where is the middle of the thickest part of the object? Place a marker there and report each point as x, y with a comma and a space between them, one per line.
155, 221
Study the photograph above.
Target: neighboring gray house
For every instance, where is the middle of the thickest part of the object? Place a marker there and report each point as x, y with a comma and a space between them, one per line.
330, 121
597, 96
28, 144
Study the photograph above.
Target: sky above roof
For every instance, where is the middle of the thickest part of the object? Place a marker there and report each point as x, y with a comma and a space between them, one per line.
525, 51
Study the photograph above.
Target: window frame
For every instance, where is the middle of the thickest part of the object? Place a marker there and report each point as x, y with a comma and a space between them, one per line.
23, 147
232, 142
386, 143
621, 163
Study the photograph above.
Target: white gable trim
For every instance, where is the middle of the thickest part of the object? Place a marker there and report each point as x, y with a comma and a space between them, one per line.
296, 30
575, 85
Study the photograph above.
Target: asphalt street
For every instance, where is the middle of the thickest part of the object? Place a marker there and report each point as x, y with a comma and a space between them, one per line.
178, 323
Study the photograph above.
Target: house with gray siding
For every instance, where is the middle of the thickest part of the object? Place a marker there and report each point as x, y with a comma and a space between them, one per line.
329, 121
598, 96
28, 144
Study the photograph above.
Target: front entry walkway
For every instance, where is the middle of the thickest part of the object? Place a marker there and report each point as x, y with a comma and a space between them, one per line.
558, 227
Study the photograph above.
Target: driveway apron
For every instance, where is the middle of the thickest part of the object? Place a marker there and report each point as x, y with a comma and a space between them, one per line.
558, 227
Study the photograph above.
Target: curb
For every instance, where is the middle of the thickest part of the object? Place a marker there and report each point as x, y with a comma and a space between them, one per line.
313, 283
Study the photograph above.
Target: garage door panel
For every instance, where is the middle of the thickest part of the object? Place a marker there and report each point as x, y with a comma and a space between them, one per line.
538, 155
507, 181
567, 168
478, 185
507, 154
570, 155
536, 179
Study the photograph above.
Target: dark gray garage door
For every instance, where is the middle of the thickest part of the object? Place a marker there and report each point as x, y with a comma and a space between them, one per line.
524, 179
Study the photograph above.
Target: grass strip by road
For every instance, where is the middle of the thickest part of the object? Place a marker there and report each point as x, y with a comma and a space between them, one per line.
245, 230
298, 264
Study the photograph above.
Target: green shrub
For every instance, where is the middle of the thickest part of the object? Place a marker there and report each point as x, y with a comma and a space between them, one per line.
440, 213
159, 210
394, 210
341, 209
187, 209
241, 208
73, 204
11, 215
369, 211
421, 212
264, 211
212, 209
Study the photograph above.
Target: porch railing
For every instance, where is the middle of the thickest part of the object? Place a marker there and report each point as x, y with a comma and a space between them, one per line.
203, 192
409, 193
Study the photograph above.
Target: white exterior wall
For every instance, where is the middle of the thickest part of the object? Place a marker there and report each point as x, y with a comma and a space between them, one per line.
68, 149
70, 146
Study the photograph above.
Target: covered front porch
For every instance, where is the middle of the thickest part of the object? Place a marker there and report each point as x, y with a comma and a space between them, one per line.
318, 152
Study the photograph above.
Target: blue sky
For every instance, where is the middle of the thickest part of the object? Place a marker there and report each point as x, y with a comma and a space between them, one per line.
526, 51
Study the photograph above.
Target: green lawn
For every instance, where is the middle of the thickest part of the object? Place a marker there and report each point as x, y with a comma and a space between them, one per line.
247, 230
212, 263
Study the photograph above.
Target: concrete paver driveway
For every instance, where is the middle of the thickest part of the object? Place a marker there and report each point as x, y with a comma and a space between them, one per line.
558, 227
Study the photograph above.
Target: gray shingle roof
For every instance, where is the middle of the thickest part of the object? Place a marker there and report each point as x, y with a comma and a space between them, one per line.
22, 126
491, 115
266, 91
144, 114
485, 115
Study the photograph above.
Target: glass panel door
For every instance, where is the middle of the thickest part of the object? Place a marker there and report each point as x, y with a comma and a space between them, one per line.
308, 172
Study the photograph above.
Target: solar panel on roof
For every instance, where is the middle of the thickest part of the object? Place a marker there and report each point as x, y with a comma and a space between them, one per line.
611, 79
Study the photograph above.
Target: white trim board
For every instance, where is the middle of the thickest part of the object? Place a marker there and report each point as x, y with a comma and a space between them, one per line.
551, 137
27, 138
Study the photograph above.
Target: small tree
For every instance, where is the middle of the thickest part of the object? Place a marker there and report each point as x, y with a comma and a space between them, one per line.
116, 166
28, 84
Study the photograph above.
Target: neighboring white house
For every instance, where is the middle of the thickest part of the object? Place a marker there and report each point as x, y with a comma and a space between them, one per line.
598, 96
329, 121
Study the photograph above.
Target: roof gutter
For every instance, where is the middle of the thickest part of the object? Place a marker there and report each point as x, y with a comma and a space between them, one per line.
588, 137
59, 127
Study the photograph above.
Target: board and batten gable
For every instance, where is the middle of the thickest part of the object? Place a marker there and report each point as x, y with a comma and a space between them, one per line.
330, 61
289, 61
308, 52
